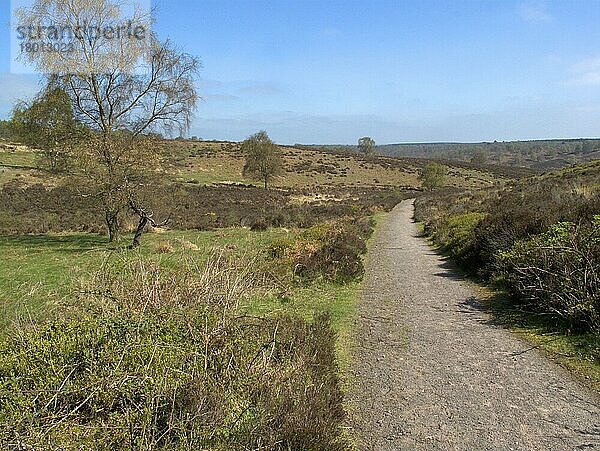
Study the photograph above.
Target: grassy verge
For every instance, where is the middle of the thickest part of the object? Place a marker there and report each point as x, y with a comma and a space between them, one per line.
40, 272
306, 302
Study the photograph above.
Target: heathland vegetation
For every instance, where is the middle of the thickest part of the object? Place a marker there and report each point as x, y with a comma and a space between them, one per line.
221, 340
228, 326
218, 329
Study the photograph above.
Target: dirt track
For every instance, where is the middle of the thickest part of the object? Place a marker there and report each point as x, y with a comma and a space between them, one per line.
432, 371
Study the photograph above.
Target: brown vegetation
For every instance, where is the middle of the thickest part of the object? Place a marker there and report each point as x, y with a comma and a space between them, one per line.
37, 209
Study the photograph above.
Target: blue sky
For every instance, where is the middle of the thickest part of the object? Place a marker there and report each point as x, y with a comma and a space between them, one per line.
399, 71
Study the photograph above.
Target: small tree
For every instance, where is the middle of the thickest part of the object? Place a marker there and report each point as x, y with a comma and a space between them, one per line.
47, 123
366, 145
123, 88
263, 157
433, 176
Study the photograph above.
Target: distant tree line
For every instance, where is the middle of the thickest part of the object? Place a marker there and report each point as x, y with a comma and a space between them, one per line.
543, 154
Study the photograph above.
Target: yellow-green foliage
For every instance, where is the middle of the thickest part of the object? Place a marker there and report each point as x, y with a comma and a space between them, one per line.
163, 360
433, 176
456, 233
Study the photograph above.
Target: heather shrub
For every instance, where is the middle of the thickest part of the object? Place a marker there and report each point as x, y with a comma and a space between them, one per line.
558, 272
38, 209
457, 236
525, 211
158, 359
331, 250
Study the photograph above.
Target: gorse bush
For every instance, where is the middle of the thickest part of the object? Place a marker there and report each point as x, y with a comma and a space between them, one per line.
332, 251
160, 359
559, 272
457, 236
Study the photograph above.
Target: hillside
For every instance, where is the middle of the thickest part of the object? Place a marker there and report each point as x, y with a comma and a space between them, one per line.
201, 186
215, 163
538, 154
222, 162
288, 259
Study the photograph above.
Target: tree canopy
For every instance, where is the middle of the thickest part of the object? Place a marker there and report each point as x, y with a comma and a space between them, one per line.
124, 90
366, 145
47, 123
263, 157
433, 176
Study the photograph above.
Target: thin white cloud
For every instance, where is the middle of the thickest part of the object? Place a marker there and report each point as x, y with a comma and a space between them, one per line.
331, 33
534, 11
260, 89
587, 65
218, 97
585, 72
590, 78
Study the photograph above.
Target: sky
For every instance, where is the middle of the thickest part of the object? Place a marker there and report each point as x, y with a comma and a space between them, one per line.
329, 71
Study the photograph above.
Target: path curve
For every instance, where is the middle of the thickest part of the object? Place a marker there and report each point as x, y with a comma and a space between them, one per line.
432, 372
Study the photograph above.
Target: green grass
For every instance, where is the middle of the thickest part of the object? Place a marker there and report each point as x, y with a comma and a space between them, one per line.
39, 272
305, 302
158, 353
18, 158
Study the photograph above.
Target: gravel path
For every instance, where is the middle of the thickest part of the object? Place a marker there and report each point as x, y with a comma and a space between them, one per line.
432, 372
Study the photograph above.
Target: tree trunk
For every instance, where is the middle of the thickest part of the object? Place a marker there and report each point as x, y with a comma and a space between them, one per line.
112, 222
139, 231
